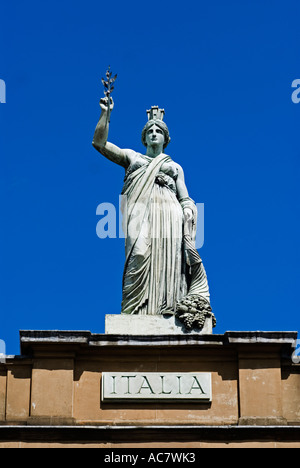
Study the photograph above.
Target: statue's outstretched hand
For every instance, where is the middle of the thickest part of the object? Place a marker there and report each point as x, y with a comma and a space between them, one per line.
104, 104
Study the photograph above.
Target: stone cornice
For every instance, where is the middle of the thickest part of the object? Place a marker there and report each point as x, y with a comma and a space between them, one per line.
73, 341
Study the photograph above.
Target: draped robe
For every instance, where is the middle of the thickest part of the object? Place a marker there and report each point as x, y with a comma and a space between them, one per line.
157, 265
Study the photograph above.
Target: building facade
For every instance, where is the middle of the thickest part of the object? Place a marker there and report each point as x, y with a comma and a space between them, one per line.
239, 389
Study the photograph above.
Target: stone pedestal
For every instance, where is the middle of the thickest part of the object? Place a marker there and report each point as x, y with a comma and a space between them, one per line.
122, 324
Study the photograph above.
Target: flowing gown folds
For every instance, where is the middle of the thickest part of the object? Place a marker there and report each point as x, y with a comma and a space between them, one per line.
154, 273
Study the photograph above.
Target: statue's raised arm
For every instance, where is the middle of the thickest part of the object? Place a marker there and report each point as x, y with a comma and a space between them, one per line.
109, 150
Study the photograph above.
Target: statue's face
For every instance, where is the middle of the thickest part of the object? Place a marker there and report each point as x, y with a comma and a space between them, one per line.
155, 136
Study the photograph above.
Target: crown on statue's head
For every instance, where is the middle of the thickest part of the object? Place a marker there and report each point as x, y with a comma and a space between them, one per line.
155, 113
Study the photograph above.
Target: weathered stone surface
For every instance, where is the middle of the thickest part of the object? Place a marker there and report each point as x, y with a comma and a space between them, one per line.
150, 325
18, 393
52, 387
2, 394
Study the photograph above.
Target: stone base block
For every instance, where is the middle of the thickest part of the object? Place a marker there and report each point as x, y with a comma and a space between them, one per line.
122, 324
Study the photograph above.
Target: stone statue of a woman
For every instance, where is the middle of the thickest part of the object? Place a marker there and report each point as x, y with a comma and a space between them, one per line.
163, 271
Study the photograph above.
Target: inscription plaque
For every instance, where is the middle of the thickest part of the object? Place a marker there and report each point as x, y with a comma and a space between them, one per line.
156, 386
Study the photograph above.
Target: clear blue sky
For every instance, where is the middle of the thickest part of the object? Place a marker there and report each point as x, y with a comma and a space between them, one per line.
223, 73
